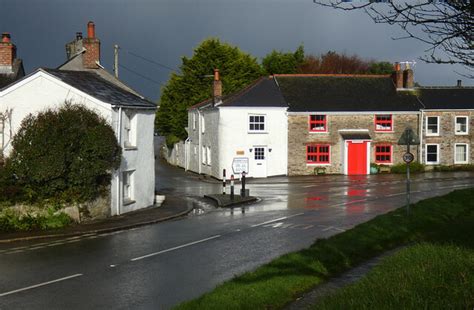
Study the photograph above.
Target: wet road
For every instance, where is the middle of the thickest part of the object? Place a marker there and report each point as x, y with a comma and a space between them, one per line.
158, 266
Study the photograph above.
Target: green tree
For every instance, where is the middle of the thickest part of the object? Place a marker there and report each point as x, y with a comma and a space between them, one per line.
382, 67
278, 62
192, 85
65, 153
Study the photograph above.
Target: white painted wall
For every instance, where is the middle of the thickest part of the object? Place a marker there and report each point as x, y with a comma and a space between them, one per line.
234, 136
41, 91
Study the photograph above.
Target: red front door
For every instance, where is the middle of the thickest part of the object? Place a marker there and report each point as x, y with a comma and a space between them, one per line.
356, 157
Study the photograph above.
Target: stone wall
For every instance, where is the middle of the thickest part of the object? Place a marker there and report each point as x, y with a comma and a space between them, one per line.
176, 155
447, 137
299, 137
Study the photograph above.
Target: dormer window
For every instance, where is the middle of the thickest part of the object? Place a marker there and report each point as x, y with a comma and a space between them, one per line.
318, 123
383, 122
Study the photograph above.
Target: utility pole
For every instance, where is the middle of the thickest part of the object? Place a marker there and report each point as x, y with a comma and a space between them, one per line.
116, 48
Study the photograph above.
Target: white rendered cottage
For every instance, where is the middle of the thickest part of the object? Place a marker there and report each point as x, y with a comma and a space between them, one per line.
245, 131
130, 115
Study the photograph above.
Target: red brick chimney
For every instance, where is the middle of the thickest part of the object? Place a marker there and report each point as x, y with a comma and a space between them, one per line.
217, 87
397, 76
92, 46
7, 53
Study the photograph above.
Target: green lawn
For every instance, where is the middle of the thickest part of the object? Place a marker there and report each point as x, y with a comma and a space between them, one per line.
442, 220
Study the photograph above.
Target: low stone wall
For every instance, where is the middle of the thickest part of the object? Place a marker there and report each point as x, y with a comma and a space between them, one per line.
176, 155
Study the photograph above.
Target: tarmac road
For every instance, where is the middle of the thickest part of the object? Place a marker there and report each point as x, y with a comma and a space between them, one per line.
158, 266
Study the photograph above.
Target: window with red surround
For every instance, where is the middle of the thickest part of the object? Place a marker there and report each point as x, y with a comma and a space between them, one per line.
317, 154
317, 123
383, 122
383, 154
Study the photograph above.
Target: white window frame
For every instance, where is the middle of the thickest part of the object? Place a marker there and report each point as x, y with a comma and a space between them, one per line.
203, 124
455, 125
204, 155
194, 121
257, 130
426, 127
130, 130
209, 155
128, 187
467, 153
437, 154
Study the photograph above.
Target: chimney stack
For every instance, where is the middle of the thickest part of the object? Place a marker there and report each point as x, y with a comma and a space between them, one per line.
216, 87
7, 53
92, 45
397, 76
408, 82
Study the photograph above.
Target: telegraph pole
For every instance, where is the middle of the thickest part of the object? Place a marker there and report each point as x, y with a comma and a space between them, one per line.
116, 48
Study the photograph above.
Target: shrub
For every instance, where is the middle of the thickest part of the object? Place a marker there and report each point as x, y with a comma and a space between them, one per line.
415, 167
12, 220
65, 153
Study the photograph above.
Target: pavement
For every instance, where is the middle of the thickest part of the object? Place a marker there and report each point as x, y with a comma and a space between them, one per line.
172, 208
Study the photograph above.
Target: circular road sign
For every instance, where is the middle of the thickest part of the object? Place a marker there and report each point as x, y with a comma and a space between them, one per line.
408, 157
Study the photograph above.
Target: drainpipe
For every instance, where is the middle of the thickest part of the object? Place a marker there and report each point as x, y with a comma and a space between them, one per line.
199, 141
421, 138
119, 168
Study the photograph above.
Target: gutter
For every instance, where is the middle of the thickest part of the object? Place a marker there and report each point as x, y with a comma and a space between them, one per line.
119, 171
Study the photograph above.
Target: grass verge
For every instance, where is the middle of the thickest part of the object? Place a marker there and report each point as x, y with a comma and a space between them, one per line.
279, 282
419, 277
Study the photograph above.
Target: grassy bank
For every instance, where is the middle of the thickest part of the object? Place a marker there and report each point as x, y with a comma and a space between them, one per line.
279, 282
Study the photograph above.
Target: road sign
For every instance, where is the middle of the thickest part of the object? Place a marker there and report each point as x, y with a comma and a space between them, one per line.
408, 157
240, 164
409, 137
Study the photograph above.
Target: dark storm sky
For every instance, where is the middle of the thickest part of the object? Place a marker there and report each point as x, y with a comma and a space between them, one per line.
166, 30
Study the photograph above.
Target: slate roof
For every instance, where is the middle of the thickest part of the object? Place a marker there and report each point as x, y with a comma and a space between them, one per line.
441, 98
263, 92
332, 93
18, 72
99, 88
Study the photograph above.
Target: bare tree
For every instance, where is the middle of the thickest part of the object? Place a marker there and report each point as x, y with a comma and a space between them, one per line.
446, 26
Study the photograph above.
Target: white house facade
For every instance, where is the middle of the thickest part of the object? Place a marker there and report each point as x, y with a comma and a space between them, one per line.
130, 115
243, 132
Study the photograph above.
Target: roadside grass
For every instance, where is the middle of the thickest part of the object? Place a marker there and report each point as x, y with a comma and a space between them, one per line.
419, 277
287, 277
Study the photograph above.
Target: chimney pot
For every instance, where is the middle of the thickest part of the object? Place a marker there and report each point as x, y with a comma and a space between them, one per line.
90, 30
78, 36
397, 76
397, 66
459, 83
6, 38
408, 82
216, 75
217, 87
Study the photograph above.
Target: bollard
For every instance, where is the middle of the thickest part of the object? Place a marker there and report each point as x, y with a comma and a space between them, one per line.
242, 191
223, 182
232, 187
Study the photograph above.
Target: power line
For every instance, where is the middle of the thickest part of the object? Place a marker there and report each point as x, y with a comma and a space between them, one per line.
140, 75
151, 61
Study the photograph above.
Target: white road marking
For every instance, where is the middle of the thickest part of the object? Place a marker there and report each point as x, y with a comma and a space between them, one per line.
175, 248
41, 284
276, 220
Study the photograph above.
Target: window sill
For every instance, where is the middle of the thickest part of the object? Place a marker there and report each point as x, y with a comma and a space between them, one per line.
461, 134
384, 131
384, 163
316, 164
432, 163
257, 132
130, 148
461, 163
128, 201
318, 132
432, 135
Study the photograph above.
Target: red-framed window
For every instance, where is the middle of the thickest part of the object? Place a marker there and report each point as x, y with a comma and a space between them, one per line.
318, 123
383, 122
317, 154
383, 154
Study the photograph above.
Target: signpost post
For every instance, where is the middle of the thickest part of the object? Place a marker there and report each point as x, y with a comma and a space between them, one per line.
408, 138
